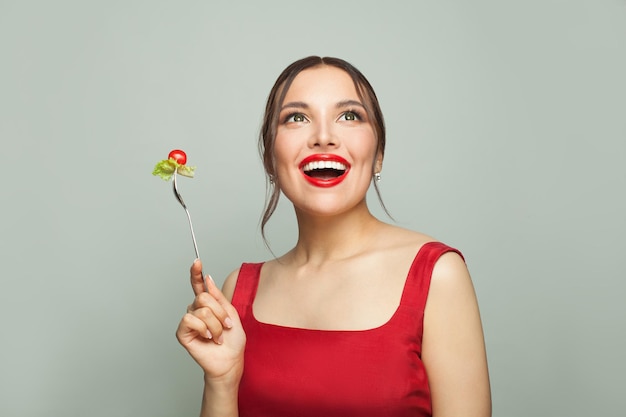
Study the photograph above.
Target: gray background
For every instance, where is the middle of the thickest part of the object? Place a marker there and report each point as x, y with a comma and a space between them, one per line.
507, 139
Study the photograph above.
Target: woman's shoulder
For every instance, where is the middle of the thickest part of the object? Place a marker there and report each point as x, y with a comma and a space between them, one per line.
403, 244
228, 288
248, 269
396, 237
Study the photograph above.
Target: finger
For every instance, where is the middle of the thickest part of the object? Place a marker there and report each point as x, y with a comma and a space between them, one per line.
211, 322
216, 293
206, 300
195, 274
191, 327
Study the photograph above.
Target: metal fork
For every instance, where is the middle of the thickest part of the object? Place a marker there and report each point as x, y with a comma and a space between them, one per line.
193, 235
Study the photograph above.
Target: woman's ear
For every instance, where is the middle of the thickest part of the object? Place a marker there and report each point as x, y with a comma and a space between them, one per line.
378, 165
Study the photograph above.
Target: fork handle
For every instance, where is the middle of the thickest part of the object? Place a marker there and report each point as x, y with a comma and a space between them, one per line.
195, 248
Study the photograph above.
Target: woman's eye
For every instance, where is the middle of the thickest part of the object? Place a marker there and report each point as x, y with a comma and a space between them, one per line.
350, 116
296, 118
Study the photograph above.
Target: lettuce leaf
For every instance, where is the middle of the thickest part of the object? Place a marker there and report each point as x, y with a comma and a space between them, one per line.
166, 168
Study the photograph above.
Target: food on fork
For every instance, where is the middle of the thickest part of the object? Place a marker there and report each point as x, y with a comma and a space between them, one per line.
175, 163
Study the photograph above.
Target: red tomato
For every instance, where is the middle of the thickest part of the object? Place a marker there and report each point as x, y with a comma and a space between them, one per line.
178, 156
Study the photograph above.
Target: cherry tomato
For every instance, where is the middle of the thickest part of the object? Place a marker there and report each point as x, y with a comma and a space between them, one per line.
178, 156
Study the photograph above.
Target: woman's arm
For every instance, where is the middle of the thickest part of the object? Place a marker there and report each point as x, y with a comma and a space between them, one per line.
220, 400
453, 347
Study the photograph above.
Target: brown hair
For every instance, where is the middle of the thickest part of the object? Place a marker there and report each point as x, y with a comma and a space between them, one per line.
275, 101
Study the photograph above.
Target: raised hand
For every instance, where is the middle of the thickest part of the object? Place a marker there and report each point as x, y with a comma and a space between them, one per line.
211, 331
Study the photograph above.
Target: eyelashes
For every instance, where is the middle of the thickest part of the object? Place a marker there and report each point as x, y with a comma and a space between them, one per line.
351, 116
294, 117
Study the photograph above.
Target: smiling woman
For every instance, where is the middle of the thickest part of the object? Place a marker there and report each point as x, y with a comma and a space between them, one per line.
361, 317
365, 105
323, 122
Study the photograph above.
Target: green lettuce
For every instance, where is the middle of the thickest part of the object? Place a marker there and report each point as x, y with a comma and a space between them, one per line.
166, 168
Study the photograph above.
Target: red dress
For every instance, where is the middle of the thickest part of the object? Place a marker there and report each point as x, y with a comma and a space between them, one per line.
302, 372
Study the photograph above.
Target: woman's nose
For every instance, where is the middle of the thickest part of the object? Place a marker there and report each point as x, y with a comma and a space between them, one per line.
324, 136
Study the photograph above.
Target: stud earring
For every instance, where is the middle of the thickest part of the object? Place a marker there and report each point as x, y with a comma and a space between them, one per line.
377, 176
271, 179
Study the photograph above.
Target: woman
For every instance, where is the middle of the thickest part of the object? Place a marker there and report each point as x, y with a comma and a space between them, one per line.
360, 317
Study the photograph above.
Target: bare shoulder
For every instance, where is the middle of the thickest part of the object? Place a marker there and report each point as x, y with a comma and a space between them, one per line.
451, 285
395, 237
450, 268
228, 288
392, 252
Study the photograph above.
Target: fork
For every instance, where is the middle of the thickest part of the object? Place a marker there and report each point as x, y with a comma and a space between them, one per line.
193, 235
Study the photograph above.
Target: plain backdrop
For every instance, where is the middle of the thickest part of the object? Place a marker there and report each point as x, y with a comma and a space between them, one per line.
506, 138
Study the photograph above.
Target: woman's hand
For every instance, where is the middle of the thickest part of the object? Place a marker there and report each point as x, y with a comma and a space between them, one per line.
212, 333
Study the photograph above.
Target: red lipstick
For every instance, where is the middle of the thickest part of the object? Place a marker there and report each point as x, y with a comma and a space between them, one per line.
324, 169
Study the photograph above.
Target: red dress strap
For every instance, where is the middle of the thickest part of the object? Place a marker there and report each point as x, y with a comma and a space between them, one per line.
420, 274
246, 287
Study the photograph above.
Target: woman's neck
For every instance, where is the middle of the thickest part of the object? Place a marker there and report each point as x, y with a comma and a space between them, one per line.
330, 238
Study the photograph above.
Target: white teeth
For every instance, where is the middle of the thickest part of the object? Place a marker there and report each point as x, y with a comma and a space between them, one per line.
324, 164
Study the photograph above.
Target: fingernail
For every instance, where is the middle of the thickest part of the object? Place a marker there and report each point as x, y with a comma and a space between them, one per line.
211, 278
228, 322
220, 340
209, 335
196, 260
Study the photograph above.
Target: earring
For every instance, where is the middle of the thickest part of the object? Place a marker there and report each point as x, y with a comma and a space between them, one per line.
271, 179
377, 176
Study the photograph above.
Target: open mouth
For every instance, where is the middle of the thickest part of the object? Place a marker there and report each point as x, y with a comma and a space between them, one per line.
324, 170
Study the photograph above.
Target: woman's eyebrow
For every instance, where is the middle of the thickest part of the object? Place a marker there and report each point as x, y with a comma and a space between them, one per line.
295, 105
303, 105
348, 103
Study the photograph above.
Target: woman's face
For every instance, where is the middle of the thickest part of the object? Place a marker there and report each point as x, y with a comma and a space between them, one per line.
325, 145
